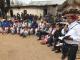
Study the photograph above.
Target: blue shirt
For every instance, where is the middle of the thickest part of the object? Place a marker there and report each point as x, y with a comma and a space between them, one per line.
34, 25
5, 24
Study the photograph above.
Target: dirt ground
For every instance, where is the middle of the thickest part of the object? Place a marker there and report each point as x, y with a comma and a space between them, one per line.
14, 47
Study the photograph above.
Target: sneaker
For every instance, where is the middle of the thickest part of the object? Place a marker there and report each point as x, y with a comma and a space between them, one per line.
57, 51
53, 49
60, 44
48, 45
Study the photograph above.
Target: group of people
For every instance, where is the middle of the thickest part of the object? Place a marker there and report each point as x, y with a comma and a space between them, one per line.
23, 28
63, 37
24, 16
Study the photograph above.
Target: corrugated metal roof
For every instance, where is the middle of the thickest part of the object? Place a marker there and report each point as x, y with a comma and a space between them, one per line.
42, 3
37, 3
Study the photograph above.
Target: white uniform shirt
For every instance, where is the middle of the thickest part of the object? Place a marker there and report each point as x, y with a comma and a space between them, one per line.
74, 32
21, 31
41, 26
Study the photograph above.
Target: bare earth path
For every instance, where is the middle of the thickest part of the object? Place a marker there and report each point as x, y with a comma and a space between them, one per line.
18, 48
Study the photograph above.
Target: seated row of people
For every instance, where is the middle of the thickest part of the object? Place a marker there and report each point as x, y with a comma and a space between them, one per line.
49, 34
22, 28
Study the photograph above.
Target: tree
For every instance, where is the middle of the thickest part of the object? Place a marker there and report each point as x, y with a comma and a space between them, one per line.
4, 6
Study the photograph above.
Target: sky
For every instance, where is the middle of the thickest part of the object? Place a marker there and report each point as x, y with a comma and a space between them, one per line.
56, 1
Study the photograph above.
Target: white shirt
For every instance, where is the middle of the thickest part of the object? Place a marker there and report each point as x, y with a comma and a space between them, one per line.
21, 31
50, 29
41, 26
53, 31
74, 32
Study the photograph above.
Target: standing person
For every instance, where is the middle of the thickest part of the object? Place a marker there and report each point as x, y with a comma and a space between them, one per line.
18, 16
22, 15
71, 39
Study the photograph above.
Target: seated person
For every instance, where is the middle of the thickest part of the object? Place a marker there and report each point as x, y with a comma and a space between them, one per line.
5, 25
43, 32
1, 30
50, 39
34, 26
24, 31
12, 29
57, 34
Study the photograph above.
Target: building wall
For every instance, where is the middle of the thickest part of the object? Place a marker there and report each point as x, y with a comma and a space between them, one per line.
35, 10
32, 10
13, 2
52, 10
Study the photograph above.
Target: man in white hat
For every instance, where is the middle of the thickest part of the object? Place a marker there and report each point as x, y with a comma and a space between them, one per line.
71, 38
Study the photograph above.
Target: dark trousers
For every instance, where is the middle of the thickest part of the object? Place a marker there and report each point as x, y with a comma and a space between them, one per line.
56, 40
50, 40
42, 33
69, 50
